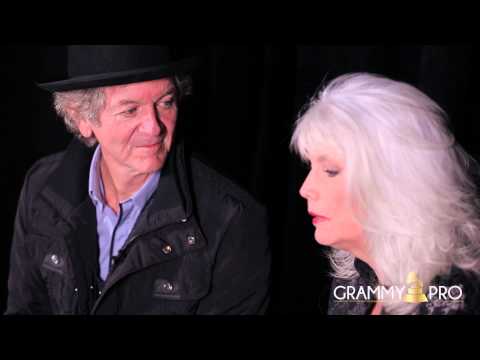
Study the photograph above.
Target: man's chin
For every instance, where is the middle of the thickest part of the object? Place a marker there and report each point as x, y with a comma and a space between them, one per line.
152, 164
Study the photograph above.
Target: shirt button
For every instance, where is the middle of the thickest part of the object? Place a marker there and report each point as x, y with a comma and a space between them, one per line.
54, 259
191, 240
167, 287
167, 249
183, 220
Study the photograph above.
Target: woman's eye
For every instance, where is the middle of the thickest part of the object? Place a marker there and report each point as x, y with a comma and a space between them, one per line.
332, 173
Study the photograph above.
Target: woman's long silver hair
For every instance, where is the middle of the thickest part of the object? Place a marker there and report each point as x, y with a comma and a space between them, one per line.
411, 181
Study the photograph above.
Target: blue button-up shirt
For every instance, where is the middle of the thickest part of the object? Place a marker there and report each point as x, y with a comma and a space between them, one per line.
110, 226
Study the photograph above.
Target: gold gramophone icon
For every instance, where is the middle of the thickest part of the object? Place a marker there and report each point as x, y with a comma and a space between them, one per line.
415, 289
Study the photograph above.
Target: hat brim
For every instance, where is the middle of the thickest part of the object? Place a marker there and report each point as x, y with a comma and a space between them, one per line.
122, 77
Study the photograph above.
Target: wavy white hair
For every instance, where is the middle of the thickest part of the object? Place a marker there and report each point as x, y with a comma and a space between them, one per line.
410, 179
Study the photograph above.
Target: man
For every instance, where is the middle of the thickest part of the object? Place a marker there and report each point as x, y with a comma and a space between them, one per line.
125, 221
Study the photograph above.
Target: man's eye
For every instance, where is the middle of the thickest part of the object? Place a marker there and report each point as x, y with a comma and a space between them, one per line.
131, 111
332, 173
167, 104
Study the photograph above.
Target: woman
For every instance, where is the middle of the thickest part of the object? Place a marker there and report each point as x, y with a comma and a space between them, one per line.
391, 192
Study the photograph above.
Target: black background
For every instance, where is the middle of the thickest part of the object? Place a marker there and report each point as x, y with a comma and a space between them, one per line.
240, 117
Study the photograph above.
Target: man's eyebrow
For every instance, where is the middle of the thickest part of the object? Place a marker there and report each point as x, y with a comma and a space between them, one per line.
170, 91
127, 102
118, 106
124, 102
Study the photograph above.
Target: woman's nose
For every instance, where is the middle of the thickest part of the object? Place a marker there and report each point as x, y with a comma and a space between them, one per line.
306, 190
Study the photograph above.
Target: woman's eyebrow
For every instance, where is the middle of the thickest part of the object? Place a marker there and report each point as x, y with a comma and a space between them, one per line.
325, 159
322, 158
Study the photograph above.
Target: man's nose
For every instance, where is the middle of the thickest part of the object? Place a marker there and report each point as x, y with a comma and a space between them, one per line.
152, 123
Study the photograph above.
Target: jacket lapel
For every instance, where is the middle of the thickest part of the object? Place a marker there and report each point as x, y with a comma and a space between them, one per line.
171, 202
67, 192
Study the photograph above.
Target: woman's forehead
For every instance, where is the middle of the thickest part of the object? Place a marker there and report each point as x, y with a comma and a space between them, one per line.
325, 153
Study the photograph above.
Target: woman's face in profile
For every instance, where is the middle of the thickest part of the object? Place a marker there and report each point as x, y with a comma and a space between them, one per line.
325, 190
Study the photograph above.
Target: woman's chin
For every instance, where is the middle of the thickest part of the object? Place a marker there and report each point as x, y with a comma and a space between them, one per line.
330, 242
324, 240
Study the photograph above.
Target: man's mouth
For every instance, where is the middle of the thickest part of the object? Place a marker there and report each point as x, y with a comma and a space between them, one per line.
152, 143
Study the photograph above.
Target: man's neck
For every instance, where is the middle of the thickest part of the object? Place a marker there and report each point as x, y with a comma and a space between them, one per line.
119, 185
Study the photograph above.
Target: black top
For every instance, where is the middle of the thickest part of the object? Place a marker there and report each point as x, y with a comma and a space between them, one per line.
469, 304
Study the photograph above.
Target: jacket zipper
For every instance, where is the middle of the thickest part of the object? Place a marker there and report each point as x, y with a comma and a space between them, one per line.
115, 263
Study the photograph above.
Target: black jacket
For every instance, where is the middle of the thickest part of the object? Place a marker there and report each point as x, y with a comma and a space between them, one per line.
200, 246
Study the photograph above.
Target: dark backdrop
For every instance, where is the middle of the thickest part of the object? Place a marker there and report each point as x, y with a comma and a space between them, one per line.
240, 117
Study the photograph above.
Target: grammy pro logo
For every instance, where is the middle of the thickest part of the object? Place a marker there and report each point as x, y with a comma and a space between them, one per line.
412, 292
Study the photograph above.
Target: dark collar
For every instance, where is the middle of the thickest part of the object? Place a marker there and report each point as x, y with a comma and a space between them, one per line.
367, 275
67, 187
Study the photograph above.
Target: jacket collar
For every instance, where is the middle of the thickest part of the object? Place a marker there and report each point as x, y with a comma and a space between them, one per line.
367, 275
67, 188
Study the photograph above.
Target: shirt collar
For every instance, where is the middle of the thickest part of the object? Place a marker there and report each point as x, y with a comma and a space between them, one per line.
95, 185
96, 189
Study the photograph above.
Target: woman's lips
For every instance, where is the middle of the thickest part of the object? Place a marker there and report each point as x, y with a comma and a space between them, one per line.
317, 218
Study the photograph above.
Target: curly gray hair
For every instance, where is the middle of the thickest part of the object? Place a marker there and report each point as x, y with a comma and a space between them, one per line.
87, 104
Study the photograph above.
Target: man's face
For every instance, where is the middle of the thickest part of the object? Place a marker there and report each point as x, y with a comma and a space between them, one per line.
136, 126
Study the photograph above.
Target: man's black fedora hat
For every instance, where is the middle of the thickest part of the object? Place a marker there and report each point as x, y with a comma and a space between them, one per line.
90, 66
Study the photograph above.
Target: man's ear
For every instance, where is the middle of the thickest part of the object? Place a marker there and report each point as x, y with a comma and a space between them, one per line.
85, 128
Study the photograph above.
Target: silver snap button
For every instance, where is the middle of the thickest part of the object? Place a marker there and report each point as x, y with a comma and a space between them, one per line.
76, 290
54, 259
99, 292
183, 220
191, 240
91, 287
167, 249
168, 287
